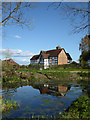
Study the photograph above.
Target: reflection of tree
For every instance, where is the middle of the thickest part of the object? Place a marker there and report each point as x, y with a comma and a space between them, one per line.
8, 92
10, 89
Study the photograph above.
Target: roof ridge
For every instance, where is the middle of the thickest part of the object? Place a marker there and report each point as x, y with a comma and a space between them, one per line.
53, 49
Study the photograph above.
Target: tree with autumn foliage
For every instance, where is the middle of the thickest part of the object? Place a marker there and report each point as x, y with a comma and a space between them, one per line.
85, 51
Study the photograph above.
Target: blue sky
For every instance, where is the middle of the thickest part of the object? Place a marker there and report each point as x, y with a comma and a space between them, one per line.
48, 30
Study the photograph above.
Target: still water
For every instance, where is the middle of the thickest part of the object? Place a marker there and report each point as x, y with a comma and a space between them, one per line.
47, 99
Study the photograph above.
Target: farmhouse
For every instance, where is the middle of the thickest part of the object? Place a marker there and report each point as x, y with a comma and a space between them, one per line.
56, 56
57, 90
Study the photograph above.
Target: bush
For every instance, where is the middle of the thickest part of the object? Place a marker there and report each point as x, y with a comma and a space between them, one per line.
35, 67
65, 66
84, 74
78, 109
9, 105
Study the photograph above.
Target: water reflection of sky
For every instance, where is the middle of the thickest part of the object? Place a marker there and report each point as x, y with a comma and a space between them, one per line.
32, 102
0, 92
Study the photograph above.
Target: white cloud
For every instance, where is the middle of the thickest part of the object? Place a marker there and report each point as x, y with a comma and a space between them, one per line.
25, 60
19, 56
17, 36
16, 53
20, 61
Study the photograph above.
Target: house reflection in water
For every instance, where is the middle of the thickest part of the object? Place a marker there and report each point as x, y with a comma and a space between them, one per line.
58, 90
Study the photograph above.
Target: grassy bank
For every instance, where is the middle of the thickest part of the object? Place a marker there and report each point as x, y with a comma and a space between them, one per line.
23, 75
79, 109
33, 73
8, 105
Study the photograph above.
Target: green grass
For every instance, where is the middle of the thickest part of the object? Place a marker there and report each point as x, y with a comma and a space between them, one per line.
79, 108
0, 79
66, 69
53, 69
23, 70
10, 78
8, 105
26, 74
83, 74
58, 75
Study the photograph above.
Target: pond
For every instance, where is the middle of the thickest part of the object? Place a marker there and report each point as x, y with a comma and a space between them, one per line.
48, 99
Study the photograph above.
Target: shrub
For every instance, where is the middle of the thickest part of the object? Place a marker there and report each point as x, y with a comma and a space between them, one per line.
78, 109
9, 105
35, 67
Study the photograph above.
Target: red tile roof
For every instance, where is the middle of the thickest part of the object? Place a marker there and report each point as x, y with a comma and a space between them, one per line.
50, 53
53, 53
69, 57
45, 56
35, 57
11, 62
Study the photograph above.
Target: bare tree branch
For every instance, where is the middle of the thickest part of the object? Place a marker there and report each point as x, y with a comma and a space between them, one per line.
9, 16
15, 12
77, 13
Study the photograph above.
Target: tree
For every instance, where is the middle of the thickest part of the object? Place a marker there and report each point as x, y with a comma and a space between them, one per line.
85, 44
7, 54
15, 12
85, 50
77, 12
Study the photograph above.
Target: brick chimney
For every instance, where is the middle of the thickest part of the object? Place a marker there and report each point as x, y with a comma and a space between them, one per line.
58, 47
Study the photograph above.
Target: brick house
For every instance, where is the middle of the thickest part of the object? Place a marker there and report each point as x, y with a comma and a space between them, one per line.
55, 90
56, 56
